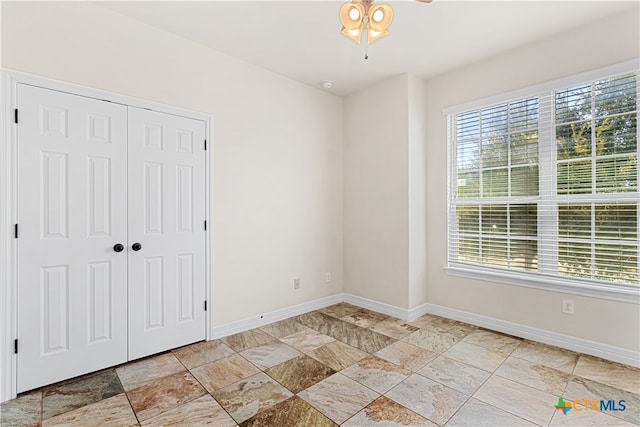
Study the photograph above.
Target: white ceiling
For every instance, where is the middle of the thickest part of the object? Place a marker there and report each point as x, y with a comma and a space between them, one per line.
302, 40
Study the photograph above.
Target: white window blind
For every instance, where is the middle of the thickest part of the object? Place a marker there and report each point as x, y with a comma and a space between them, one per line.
547, 184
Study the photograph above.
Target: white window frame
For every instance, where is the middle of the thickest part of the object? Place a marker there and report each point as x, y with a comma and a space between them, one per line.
546, 277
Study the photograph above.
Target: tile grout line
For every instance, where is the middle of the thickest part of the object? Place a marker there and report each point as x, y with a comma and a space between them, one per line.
491, 374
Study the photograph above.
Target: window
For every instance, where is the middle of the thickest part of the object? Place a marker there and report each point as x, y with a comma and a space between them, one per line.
546, 184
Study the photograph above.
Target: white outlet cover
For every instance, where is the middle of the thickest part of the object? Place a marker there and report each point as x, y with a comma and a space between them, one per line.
568, 306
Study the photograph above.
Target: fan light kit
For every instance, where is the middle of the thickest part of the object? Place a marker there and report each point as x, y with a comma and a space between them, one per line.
358, 14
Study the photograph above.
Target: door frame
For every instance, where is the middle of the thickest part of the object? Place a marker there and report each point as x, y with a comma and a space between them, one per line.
8, 206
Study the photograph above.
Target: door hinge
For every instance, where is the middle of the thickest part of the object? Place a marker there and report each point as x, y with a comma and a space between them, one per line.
15, 346
205, 144
205, 225
205, 306
15, 115
15, 231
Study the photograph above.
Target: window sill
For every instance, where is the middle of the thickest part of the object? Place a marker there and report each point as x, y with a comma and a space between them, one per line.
628, 294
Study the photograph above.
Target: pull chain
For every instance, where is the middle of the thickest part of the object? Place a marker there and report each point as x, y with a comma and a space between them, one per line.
366, 24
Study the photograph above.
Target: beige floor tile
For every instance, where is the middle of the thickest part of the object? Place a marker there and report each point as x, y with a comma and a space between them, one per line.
394, 328
202, 353
293, 412
300, 373
543, 354
364, 318
378, 374
337, 355
78, 392
325, 324
526, 402
307, 340
339, 310
114, 411
428, 398
246, 340
202, 411
474, 355
164, 394
614, 374
365, 339
26, 410
537, 376
432, 338
457, 329
268, 355
221, 373
385, 412
338, 397
493, 341
479, 414
283, 328
457, 375
580, 388
406, 355
136, 374
424, 320
440, 373
250, 396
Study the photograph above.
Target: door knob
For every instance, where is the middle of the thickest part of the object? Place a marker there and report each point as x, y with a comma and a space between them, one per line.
136, 246
118, 247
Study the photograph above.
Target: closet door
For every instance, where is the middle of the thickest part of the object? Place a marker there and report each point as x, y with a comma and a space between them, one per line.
166, 232
71, 195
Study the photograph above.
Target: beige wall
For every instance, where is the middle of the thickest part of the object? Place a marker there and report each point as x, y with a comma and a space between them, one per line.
385, 241
417, 175
277, 144
612, 40
376, 192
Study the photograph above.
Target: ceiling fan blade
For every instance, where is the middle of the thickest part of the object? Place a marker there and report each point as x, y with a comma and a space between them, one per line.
424, 1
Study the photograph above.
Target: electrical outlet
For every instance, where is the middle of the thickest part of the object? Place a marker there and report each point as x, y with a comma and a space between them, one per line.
567, 306
296, 283
327, 277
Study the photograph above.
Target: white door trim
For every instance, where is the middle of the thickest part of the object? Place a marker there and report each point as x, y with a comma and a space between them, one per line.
8, 206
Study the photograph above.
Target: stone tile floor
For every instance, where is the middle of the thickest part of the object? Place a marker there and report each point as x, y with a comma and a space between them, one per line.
343, 365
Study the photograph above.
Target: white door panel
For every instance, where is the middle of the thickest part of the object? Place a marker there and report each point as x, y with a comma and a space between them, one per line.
166, 217
92, 174
71, 194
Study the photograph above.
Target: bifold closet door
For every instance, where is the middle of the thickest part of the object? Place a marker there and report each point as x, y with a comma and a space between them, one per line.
166, 231
71, 275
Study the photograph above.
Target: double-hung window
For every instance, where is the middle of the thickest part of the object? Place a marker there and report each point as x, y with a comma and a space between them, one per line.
543, 186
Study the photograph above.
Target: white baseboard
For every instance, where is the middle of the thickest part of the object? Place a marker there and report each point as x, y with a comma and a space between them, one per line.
581, 345
274, 316
380, 307
418, 311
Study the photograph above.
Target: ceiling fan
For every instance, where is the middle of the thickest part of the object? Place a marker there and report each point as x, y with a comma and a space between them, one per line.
356, 15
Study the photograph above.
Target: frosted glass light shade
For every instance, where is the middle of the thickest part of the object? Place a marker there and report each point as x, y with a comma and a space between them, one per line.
352, 19
380, 17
